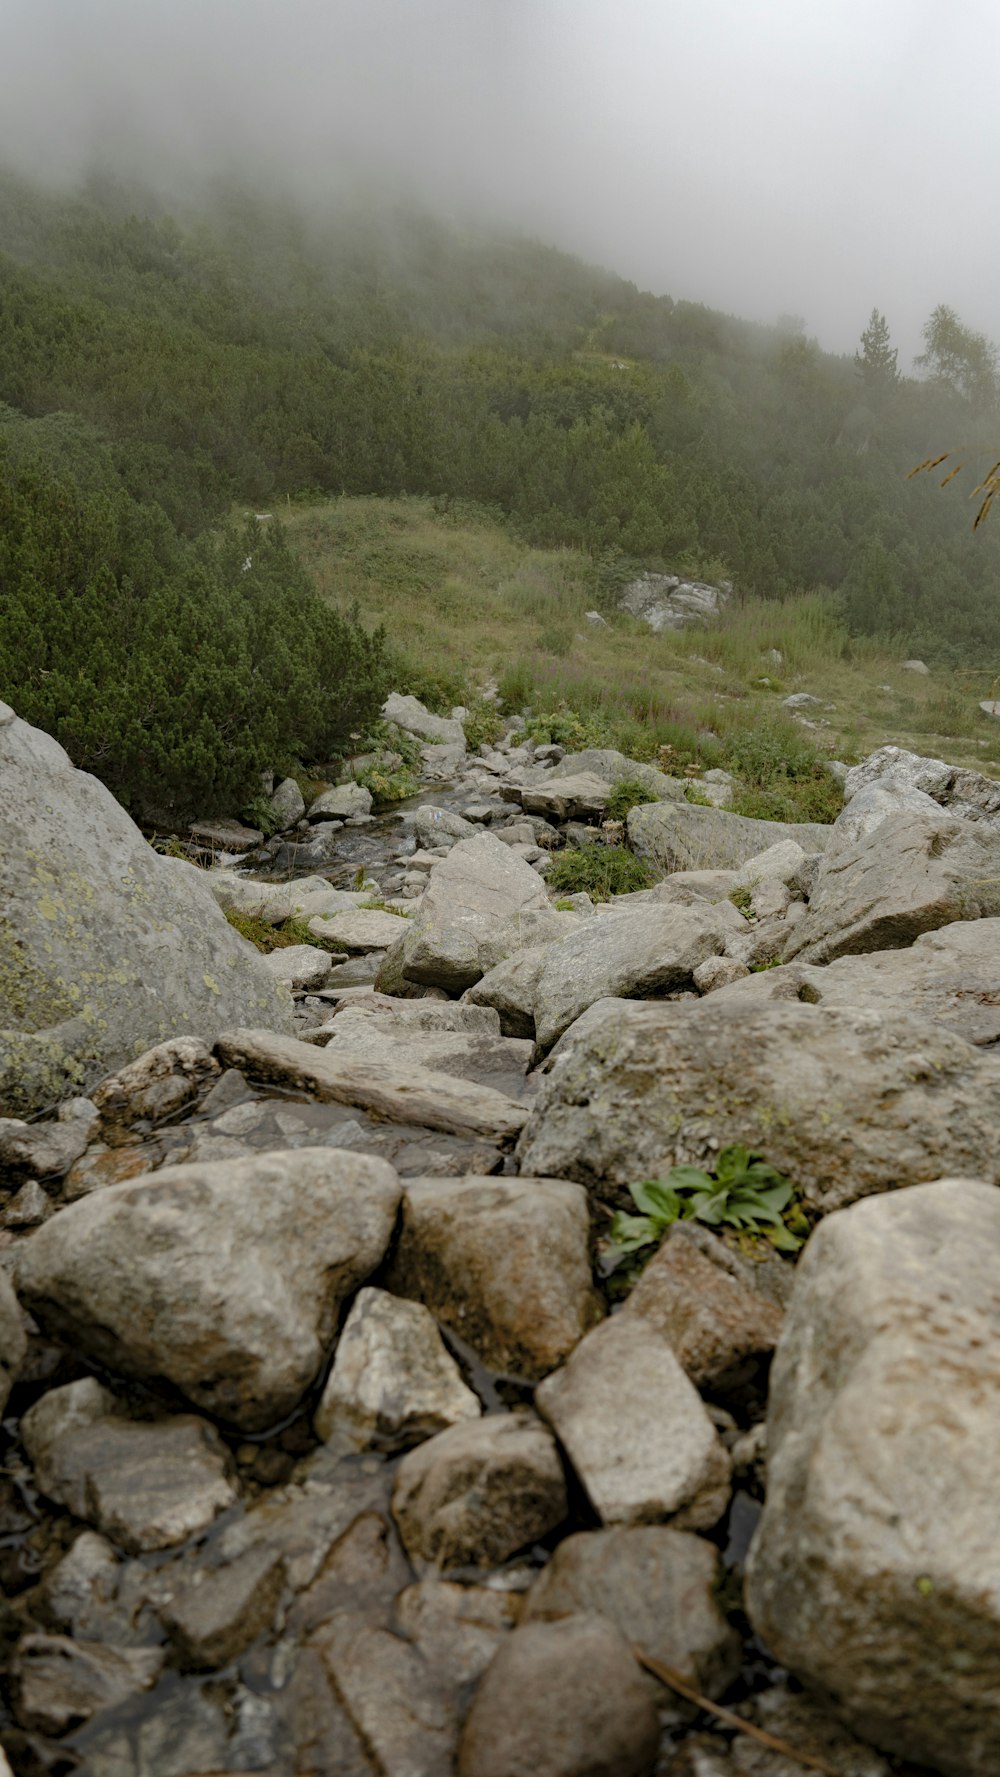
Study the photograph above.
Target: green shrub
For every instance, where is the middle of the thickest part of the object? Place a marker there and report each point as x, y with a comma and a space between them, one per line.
516, 687
483, 725
600, 871
780, 775
629, 792
388, 785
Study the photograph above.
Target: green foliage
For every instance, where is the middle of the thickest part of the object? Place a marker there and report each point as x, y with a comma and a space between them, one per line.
601, 871
266, 937
484, 724
629, 792
259, 813
743, 1193
388, 784
516, 687
780, 776
375, 904
741, 898
563, 727
876, 362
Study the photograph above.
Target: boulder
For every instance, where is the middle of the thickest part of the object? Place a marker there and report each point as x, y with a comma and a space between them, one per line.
968, 795
457, 1628
440, 826
615, 767
340, 803
225, 835
581, 796
105, 947
392, 1383
40, 1150
302, 967
511, 990
657, 1585
699, 1296
287, 804
497, 1061
478, 1493
912, 875
562, 1699
635, 1430
844, 1102
665, 602
225, 1279
13, 1339
156, 1085
359, 930
875, 1572
684, 836
473, 915
504, 1263
875, 803
410, 714
782, 862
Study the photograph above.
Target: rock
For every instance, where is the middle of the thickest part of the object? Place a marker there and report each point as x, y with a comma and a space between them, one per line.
105, 947
699, 1297
409, 714
226, 835
683, 836
59, 1684
440, 764
340, 803
717, 788
657, 1586
401, 1094
473, 915
392, 1383
504, 1263
287, 804
476, 1494
39, 1150
215, 1616
719, 971
225, 1279
968, 795
912, 875
581, 797
361, 1572
511, 990
874, 1574
362, 930
874, 804
561, 1700
614, 767
915, 666
28, 1208
843, 1102
300, 966
457, 1629
770, 900
596, 619
991, 708
403, 1716
401, 1018
157, 1085
801, 700
635, 1430
146, 1484
663, 601
779, 863
631, 953
807, 1726
437, 826
13, 1340
270, 901
496, 1061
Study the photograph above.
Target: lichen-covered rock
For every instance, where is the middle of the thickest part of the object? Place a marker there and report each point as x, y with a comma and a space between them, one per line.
684, 836
106, 948
226, 1279
875, 1573
473, 914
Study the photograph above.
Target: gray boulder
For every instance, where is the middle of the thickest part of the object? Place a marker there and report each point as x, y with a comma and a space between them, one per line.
665, 602
615, 767
844, 1102
302, 966
474, 914
968, 795
877, 802
287, 804
225, 1279
875, 1573
684, 836
912, 875
440, 826
392, 1383
105, 947
410, 714
341, 803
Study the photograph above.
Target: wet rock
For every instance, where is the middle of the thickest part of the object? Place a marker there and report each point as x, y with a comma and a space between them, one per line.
874, 1574
472, 915
359, 930
561, 1700
299, 966
911, 876
340, 803
697, 1295
476, 1494
392, 1383
226, 1279
439, 826
457, 1629
13, 1339
683, 836
80, 1594
28, 1209
221, 1610
801, 1722
146, 1484
184, 1726
362, 1573
404, 1717
636, 1089
287, 804
39, 1150
503, 1262
157, 1085
658, 1586
635, 1430
59, 1684
400, 1093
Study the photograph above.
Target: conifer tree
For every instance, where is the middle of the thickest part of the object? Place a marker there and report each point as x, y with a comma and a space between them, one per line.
876, 361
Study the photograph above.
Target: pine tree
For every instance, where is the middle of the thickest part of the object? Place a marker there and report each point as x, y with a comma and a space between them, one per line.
876, 361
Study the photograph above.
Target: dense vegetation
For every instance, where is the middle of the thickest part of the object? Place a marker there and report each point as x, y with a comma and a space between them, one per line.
158, 368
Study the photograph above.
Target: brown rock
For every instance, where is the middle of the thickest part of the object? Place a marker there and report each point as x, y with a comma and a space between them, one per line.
478, 1493
719, 1328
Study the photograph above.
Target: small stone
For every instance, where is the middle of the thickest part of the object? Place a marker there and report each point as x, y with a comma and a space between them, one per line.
392, 1383
915, 666
476, 1494
159, 1084
458, 1629
404, 1717
13, 1339
695, 1294
28, 1209
59, 1684
718, 971
39, 1150
221, 1610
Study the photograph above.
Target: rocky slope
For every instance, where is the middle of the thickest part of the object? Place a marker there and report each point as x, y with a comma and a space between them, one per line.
328, 1447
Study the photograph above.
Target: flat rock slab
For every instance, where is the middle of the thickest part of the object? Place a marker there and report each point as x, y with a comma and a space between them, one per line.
225, 1279
844, 1102
106, 948
913, 874
409, 1094
875, 1572
500, 1062
683, 836
636, 1431
360, 931
411, 715
580, 797
226, 835
504, 1263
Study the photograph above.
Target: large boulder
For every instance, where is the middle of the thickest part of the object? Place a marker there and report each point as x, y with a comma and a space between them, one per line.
684, 836
844, 1102
106, 948
968, 795
482, 903
226, 1279
663, 601
912, 874
410, 714
875, 1573
616, 768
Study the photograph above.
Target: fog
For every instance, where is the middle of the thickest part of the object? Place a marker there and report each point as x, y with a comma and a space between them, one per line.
767, 157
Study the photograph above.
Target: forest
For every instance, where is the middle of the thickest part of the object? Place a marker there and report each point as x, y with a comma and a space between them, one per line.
164, 369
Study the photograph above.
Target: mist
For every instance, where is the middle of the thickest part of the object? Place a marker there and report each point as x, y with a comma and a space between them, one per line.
766, 159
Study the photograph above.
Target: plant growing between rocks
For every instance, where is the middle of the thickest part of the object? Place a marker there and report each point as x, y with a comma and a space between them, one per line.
601, 871
744, 1193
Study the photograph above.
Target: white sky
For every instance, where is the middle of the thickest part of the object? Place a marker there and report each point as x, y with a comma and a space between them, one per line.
764, 156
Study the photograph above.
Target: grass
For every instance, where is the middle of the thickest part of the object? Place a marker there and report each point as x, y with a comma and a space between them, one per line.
466, 602
266, 937
601, 871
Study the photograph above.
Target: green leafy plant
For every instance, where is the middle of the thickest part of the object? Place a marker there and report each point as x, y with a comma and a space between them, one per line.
259, 813
386, 784
600, 871
629, 792
743, 1193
